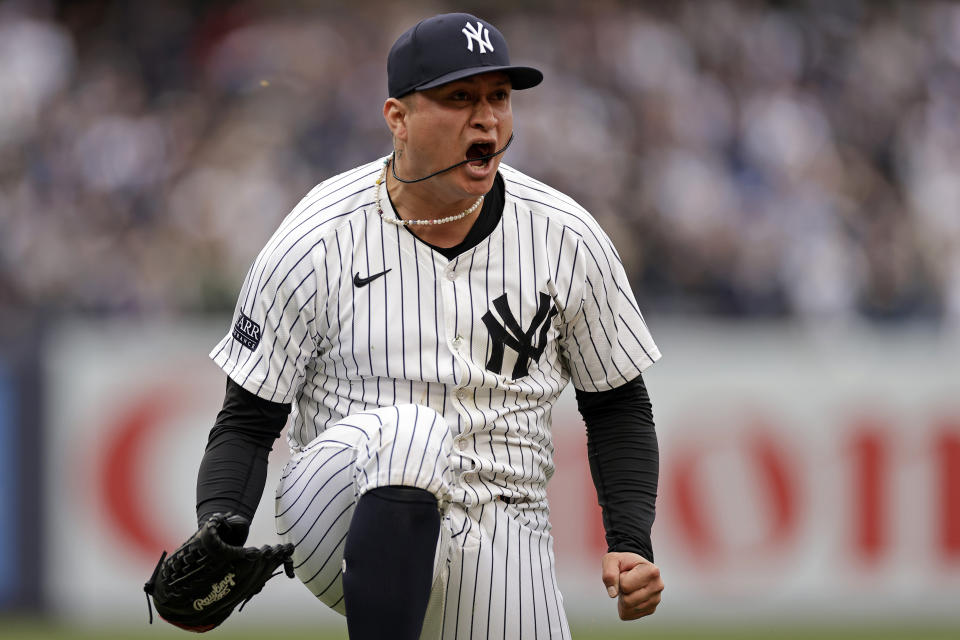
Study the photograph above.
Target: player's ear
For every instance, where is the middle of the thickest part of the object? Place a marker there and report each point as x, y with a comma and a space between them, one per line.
395, 114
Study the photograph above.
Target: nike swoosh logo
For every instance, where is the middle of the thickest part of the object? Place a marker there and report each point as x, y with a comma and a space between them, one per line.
362, 282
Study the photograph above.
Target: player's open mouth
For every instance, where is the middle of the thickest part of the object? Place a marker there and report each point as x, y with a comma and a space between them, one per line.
478, 150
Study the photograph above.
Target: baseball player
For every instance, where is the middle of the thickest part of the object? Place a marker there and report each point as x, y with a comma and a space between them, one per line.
417, 317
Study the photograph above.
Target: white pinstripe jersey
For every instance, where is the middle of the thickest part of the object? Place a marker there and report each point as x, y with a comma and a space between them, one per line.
488, 339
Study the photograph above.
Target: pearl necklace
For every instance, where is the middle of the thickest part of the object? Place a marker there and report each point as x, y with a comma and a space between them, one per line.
400, 222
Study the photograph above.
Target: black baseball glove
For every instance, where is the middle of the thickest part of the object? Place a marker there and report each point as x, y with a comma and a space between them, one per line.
200, 584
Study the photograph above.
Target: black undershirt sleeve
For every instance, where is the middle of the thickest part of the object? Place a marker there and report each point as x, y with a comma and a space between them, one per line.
233, 471
624, 462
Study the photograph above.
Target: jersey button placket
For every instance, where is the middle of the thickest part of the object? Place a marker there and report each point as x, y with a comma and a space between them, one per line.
464, 461
456, 342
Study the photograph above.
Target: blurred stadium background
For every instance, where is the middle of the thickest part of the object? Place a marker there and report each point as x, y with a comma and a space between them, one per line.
782, 180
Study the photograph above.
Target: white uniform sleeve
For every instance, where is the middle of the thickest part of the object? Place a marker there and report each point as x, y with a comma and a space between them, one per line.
273, 335
606, 341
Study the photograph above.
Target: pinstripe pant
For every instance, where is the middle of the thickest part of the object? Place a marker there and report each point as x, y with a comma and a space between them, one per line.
493, 570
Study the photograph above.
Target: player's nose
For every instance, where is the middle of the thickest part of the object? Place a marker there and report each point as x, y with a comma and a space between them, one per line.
484, 116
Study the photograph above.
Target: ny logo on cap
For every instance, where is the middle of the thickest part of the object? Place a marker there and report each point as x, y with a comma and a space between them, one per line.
479, 33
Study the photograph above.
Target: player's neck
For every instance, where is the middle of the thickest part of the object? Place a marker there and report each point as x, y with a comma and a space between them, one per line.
423, 201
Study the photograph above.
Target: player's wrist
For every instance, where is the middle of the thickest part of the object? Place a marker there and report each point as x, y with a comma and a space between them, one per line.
232, 528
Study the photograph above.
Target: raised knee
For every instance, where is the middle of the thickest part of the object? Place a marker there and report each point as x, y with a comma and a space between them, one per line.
411, 449
422, 426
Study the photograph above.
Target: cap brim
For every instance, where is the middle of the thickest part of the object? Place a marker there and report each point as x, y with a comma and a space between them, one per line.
520, 77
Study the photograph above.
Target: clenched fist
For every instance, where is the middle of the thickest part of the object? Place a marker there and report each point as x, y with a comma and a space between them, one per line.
634, 581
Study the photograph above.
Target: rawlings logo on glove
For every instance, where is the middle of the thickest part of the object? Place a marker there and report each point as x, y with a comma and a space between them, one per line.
199, 585
220, 589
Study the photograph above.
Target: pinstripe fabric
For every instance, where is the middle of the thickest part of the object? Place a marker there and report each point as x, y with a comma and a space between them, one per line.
315, 499
448, 335
501, 582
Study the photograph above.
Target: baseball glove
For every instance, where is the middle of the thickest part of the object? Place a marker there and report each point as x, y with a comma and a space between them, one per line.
200, 584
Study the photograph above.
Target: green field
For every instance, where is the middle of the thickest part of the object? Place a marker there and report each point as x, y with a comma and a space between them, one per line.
29, 630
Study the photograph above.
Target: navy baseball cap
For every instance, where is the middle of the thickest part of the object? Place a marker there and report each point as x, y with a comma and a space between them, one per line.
449, 47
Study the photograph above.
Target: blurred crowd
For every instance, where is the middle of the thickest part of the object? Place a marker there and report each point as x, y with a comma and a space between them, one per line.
761, 159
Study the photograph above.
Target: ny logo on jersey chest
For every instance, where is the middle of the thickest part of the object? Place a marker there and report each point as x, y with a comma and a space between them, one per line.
526, 342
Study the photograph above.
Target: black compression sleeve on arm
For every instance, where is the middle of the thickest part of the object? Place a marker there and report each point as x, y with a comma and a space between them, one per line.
233, 471
624, 462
